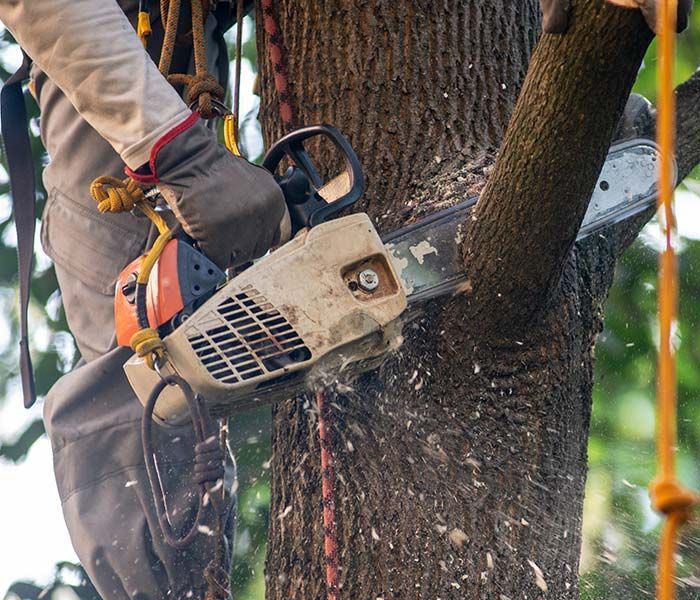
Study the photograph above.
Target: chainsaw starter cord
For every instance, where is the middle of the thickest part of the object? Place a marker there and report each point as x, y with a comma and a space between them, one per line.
669, 497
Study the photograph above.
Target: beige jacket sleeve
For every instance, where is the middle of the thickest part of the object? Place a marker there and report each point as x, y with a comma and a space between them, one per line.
89, 49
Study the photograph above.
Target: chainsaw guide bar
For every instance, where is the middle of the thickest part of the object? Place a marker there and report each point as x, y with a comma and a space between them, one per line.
427, 254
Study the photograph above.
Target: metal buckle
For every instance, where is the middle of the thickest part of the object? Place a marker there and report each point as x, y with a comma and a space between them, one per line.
158, 364
220, 108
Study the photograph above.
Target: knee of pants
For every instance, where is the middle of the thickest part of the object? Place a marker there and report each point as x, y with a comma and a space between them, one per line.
94, 424
124, 553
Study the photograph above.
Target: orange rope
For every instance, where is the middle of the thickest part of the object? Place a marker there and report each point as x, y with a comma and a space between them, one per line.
668, 496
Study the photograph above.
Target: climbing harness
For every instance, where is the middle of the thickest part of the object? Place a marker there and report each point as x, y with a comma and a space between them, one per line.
669, 497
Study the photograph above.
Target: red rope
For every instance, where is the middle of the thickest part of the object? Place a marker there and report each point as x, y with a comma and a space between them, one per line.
277, 55
276, 51
330, 533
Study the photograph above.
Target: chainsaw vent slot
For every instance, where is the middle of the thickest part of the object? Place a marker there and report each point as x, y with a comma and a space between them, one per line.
255, 340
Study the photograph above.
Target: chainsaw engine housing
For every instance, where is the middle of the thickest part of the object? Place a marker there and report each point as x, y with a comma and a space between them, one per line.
180, 281
324, 305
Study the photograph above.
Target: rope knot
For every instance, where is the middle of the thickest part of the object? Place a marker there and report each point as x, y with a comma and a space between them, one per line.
200, 88
148, 344
669, 497
114, 195
208, 461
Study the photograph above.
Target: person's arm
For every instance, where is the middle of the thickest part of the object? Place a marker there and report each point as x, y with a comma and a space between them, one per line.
89, 49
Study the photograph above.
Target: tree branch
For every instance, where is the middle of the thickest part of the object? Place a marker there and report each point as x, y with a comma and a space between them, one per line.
688, 125
531, 209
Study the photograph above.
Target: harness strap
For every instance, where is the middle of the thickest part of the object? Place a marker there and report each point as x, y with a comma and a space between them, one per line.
15, 135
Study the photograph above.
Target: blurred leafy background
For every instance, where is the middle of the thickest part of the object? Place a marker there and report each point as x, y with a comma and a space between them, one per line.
620, 530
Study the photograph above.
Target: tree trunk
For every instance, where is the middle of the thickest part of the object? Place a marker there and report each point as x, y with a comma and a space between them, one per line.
461, 464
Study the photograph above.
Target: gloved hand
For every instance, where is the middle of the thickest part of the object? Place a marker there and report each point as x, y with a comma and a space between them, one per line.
230, 207
555, 13
648, 8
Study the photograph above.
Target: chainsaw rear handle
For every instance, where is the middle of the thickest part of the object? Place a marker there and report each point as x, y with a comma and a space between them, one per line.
301, 183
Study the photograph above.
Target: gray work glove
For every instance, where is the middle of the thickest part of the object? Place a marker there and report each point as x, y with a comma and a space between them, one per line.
556, 13
230, 207
648, 8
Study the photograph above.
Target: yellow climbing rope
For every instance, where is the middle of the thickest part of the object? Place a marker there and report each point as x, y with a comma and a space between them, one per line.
114, 195
669, 497
201, 88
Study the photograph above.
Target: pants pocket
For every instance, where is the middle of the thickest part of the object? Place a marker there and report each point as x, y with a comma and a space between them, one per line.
92, 246
89, 250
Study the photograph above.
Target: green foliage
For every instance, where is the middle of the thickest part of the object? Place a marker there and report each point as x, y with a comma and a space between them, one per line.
70, 581
621, 532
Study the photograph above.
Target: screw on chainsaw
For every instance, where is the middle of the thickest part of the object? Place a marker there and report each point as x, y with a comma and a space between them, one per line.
368, 280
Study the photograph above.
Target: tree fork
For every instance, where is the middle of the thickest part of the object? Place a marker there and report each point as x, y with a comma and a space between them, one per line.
528, 215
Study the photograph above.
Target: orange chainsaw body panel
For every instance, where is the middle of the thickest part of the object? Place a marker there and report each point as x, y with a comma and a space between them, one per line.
164, 297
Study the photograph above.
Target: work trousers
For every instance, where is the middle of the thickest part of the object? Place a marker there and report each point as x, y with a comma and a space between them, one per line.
91, 414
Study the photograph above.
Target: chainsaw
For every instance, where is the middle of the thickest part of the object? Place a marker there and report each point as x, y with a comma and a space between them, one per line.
331, 301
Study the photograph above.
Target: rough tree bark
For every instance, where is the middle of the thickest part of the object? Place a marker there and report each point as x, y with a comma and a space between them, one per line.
461, 464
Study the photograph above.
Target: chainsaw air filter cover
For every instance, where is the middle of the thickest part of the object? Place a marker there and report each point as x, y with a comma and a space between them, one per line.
324, 305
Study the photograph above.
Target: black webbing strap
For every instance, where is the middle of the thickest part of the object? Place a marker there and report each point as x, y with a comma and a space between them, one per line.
18, 150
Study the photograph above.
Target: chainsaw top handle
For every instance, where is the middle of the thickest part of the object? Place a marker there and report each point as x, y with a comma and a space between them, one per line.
309, 199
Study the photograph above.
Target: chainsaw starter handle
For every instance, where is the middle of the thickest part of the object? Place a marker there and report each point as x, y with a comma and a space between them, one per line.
302, 183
